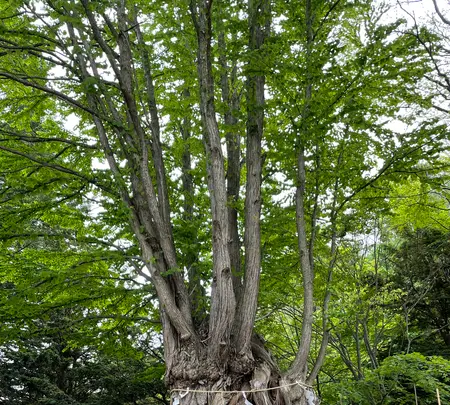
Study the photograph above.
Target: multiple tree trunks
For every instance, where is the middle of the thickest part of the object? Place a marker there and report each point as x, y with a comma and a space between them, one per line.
234, 362
219, 352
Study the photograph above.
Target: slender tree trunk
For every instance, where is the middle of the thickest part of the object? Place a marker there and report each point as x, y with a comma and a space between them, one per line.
223, 303
252, 239
233, 142
299, 367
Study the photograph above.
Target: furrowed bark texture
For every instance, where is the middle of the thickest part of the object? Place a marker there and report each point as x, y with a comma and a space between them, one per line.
252, 238
223, 301
233, 140
196, 290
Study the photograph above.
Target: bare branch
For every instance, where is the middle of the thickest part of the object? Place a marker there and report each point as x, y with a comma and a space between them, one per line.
439, 13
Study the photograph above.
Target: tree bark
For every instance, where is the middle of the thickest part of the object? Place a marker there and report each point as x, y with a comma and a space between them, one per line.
245, 319
233, 175
223, 303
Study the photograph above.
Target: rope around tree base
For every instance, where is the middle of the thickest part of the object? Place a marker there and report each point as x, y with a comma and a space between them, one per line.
186, 391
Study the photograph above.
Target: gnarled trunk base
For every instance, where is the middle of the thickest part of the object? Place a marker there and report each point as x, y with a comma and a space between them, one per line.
237, 380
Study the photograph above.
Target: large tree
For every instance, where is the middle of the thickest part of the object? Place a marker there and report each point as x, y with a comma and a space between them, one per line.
185, 102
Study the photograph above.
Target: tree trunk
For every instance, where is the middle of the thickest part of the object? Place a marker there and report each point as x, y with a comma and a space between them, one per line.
194, 380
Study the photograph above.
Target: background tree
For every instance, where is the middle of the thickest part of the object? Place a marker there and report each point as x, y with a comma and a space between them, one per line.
48, 363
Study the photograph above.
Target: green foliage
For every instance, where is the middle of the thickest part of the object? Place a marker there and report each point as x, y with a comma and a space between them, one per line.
421, 271
394, 381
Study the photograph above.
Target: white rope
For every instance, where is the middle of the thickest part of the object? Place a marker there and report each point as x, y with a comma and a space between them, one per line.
186, 391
